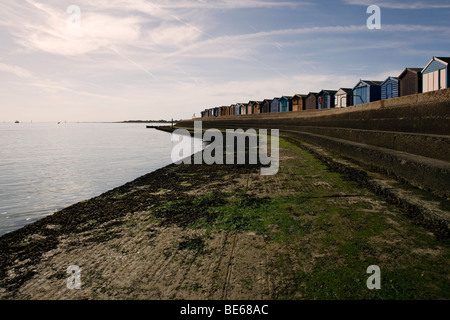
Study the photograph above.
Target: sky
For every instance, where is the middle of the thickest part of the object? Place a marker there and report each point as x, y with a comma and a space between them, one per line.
170, 59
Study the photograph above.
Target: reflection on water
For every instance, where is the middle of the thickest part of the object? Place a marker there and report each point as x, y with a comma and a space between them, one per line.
46, 167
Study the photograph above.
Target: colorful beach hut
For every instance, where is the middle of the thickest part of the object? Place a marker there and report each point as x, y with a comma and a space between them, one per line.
297, 102
275, 105
237, 109
366, 91
435, 75
390, 88
325, 99
410, 81
311, 101
285, 104
243, 107
257, 105
250, 107
266, 106
343, 98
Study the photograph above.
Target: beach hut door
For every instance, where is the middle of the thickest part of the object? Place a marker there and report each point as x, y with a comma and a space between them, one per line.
343, 101
389, 91
443, 78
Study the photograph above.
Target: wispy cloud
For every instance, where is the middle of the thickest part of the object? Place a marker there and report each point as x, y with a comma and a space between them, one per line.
413, 5
45, 29
246, 45
185, 55
156, 5
18, 71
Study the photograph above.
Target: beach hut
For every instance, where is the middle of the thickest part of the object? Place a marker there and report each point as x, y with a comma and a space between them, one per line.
343, 98
275, 105
266, 106
410, 81
250, 107
311, 101
297, 102
257, 106
254, 106
366, 91
237, 109
390, 88
325, 99
435, 75
285, 104
243, 107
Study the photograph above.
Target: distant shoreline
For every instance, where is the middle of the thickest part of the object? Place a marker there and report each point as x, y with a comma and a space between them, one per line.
148, 121
126, 121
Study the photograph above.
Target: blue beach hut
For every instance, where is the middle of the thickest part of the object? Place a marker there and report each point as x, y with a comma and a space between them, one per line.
390, 88
237, 109
275, 105
285, 104
366, 91
325, 99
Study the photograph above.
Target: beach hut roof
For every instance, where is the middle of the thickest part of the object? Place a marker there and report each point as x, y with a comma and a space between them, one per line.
328, 91
346, 90
415, 70
372, 82
389, 78
444, 60
369, 82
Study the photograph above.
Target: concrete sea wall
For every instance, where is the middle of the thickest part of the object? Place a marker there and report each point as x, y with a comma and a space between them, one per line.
406, 137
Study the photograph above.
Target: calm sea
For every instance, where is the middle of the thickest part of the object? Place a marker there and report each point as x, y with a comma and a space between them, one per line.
45, 167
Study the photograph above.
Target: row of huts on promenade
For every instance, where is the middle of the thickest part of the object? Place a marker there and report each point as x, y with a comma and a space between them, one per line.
434, 76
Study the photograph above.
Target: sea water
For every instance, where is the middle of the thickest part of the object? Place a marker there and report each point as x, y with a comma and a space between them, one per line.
45, 167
